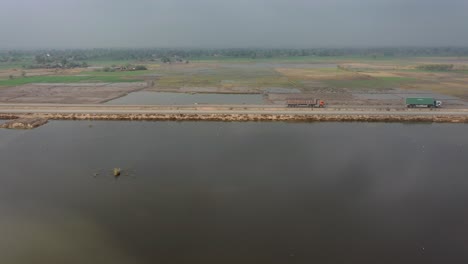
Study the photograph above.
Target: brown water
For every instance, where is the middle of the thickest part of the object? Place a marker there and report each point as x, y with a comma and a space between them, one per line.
201, 192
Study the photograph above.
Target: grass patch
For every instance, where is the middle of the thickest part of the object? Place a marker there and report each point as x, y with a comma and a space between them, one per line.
113, 79
64, 79
223, 78
116, 73
8, 66
373, 83
317, 73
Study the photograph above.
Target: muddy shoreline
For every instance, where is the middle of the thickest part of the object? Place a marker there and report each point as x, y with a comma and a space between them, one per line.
246, 117
24, 123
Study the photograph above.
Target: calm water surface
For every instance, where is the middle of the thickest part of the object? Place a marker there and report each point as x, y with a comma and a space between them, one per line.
163, 98
195, 192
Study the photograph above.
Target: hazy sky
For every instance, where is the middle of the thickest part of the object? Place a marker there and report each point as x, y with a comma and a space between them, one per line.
232, 23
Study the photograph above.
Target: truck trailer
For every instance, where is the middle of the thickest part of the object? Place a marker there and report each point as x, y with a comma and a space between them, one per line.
305, 103
422, 102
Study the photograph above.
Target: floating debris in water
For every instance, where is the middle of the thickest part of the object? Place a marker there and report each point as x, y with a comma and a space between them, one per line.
115, 173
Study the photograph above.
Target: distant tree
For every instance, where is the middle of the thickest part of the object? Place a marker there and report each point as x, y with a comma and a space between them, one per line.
73, 64
40, 59
53, 59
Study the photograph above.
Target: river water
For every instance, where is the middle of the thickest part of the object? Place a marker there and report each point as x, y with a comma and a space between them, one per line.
214, 192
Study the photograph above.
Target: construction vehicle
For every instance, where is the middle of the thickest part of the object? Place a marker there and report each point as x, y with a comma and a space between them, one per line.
305, 103
422, 102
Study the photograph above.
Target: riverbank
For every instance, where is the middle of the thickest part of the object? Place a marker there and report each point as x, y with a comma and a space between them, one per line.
29, 113
436, 118
24, 123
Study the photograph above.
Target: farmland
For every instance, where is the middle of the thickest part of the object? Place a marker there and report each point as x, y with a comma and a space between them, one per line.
339, 78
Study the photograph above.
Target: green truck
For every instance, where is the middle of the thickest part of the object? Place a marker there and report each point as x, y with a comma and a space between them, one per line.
422, 102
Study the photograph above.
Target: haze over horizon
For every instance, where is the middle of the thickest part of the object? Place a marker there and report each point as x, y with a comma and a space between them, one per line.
227, 23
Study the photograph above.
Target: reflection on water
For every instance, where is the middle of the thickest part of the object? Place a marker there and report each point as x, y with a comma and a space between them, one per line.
163, 98
234, 193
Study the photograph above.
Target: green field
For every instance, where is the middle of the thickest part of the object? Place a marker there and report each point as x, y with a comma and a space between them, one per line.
121, 74
66, 79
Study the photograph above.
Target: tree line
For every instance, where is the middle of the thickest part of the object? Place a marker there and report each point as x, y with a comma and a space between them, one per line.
69, 58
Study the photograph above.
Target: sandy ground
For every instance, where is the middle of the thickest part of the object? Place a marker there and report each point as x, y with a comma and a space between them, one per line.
77, 93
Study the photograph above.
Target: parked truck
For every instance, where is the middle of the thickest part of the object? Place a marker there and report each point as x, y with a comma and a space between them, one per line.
305, 103
422, 102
